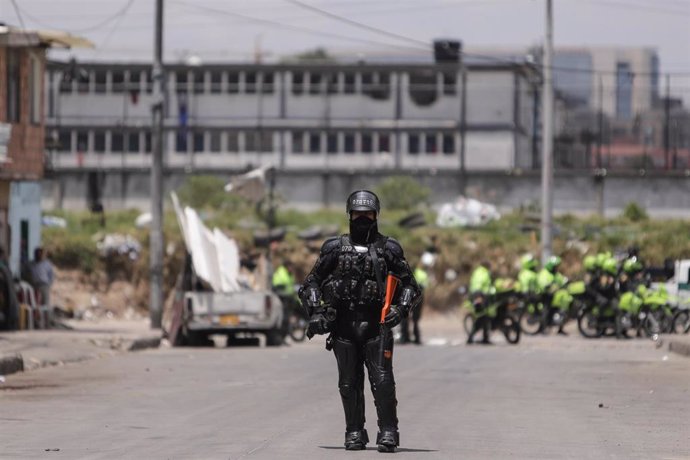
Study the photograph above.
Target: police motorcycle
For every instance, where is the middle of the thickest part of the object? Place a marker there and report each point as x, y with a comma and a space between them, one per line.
681, 321
500, 304
602, 311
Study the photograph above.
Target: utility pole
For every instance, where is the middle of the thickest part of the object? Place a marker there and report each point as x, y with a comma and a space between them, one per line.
547, 139
600, 137
667, 123
156, 248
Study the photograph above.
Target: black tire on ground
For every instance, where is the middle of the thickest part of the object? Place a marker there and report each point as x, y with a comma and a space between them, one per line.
297, 328
468, 323
532, 323
588, 324
511, 329
623, 324
274, 338
681, 322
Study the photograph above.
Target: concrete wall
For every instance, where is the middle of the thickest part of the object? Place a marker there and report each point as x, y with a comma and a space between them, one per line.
576, 193
25, 204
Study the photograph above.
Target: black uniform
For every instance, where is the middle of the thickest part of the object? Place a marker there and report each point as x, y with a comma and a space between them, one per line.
345, 278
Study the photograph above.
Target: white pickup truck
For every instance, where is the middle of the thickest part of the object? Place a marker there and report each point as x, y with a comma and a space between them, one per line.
211, 297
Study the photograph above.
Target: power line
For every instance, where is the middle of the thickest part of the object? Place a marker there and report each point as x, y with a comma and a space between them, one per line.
636, 6
115, 16
295, 28
19, 14
355, 23
117, 23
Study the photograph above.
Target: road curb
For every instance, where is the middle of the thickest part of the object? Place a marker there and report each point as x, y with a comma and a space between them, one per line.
682, 347
144, 343
11, 364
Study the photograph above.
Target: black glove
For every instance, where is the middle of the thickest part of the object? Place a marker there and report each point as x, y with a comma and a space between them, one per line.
394, 316
318, 324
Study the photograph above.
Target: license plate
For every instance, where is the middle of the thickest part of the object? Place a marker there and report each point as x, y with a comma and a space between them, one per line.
229, 320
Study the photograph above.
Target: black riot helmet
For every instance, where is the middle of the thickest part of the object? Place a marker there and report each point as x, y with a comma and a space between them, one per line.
363, 200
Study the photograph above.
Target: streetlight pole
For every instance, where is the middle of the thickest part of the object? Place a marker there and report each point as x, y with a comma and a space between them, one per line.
547, 140
156, 238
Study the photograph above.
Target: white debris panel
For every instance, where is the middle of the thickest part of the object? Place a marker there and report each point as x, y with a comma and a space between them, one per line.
466, 212
215, 257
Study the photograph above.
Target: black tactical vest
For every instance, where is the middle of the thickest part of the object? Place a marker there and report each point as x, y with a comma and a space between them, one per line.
354, 284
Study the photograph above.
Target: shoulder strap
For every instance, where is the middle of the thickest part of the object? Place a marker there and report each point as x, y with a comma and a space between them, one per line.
377, 265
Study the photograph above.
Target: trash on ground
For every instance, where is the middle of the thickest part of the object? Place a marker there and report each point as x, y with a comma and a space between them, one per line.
466, 212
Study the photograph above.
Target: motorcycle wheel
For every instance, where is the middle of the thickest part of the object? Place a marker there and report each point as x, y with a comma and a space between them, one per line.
510, 329
654, 323
623, 324
468, 323
588, 324
681, 322
297, 328
532, 322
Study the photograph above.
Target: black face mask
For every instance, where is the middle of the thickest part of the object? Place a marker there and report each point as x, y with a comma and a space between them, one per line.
363, 230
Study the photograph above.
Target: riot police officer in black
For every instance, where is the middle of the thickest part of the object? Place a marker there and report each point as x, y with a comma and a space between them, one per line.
348, 278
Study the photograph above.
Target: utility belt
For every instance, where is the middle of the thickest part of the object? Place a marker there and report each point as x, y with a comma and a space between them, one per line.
352, 291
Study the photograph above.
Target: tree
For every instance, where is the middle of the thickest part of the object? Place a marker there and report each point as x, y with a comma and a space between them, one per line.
402, 192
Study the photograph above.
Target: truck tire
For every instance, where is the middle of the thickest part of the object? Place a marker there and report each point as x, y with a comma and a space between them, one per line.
274, 338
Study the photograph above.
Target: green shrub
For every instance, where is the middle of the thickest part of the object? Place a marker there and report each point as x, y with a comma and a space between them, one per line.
634, 212
402, 192
72, 250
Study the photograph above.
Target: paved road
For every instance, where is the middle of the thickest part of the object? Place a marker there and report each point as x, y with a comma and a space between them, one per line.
547, 398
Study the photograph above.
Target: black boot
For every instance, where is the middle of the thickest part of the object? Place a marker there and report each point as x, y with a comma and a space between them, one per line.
356, 440
387, 441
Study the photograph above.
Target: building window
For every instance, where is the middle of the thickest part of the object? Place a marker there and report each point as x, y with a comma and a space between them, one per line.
82, 141
297, 83
99, 141
65, 140
233, 83
367, 143
181, 141
350, 85
148, 142
216, 82
267, 83
199, 82
266, 141
298, 142
315, 143
431, 147
448, 144
199, 142
384, 143
413, 144
367, 83
100, 81
233, 142
118, 77
83, 81
332, 141
422, 88
116, 142
349, 143
13, 85
250, 82
376, 86
65, 83
449, 84
181, 82
35, 87
214, 138
250, 141
133, 142
332, 83
624, 82
315, 83
148, 75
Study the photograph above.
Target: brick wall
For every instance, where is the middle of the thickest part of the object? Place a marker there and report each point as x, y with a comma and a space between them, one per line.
26, 149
